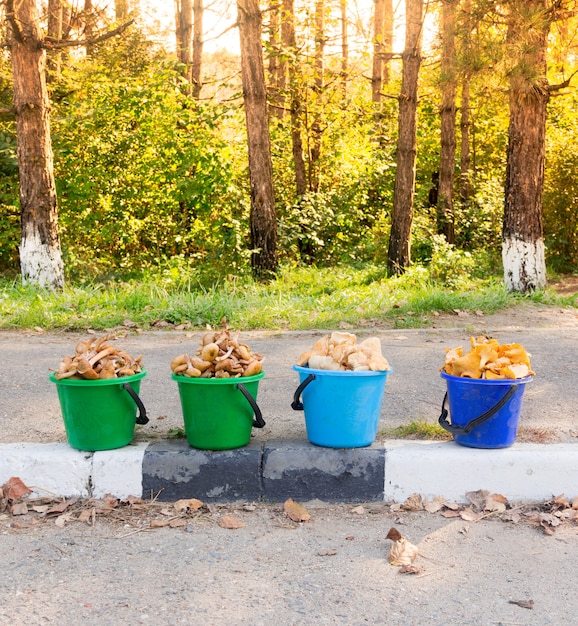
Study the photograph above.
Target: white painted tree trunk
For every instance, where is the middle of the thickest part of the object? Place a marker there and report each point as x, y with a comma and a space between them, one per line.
40, 263
524, 264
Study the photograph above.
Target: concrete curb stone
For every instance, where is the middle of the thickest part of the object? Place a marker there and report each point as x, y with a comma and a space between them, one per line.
277, 470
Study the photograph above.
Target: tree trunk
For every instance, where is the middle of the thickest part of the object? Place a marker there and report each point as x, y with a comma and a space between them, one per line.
197, 63
318, 86
263, 219
465, 182
40, 255
378, 50
522, 237
184, 34
275, 69
54, 30
448, 122
387, 39
344, 48
290, 50
402, 212
88, 16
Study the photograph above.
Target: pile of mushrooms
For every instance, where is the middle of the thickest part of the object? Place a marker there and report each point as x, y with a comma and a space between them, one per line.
95, 359
340, 351
219, 355
488, 359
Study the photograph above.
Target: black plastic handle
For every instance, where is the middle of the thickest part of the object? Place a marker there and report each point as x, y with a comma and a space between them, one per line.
297, 405
465, 430
141, 418
258, 422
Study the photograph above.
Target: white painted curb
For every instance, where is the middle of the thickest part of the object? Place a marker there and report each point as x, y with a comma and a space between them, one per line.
49, 469
118, 472
522, 472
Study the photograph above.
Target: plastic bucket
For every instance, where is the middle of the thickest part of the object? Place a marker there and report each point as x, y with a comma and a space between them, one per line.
218, 412
341, 408
100, 414
484, 413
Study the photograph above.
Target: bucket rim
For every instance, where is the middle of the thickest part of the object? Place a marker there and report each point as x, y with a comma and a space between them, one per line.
484, 381
341, 373
217, 381
99, 382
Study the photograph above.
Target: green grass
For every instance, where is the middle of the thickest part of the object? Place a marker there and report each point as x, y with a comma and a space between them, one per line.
306, 298
416, 430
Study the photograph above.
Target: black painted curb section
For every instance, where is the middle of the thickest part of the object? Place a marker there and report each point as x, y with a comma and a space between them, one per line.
270, 472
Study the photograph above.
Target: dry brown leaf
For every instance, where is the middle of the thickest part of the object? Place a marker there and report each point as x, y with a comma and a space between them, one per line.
468, 515
61, 520
14, 489
40, 508
435, 505
295, 511
575, 503
358, 510
413, 503
449, 513
20, 508
402, 552
192, 504
87, 516
495, 503
178, 523
478, 498
231, 523
159, 523
61, 506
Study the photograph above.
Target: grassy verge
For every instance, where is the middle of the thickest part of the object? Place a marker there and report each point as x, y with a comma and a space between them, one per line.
298, 299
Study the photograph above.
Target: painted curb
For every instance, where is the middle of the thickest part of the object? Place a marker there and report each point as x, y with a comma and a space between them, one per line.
278, 470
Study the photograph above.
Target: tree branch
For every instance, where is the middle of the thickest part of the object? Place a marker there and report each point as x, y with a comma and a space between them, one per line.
51, 43
563, 85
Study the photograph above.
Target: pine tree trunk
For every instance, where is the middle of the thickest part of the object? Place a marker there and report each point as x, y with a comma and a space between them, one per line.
522, 236
197, 60
40, 255
448, 122
402, 213
378, 50
318, 86
275, 68
184, 34
263, 219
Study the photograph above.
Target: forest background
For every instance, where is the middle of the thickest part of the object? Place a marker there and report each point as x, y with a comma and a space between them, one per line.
151, 165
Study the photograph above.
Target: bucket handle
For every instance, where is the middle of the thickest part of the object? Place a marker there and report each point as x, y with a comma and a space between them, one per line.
297, 405
258, 422
465, 430
142, 412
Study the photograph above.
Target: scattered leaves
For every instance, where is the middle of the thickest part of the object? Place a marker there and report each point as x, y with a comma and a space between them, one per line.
231, 523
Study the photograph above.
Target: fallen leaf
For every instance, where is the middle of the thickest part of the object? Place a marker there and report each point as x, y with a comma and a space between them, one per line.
450, 514
525, 604
402, 552
495, 503
295, 511
435, 505
40, 508
453, 506
358, 510
178, 523
14, 489
159, 523
230, 522
183, 505
20, 508
61, 520
575, 503
61, 506
413, 503
478, 498
87, 516
328, 552
468, 515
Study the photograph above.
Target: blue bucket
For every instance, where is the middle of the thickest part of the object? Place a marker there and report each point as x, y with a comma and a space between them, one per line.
341, 408
484, 413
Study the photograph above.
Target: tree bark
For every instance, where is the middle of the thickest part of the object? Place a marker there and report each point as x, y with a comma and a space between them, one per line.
465, 181
402, 213
263, 218
184, 35
318, 86
378, 50
40, 254
54, 30
448, 122
523, 253
275, 69
197, 61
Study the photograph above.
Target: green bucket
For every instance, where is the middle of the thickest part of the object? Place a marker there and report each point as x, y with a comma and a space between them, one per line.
218, 412
100, 414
